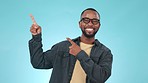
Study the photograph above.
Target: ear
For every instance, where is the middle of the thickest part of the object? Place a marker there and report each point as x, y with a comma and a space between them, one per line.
99, 25
80, 24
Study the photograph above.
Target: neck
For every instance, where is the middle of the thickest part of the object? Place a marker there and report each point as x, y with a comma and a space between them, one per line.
87, 40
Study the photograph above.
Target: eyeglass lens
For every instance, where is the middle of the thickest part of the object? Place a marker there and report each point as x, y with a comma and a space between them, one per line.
93, 21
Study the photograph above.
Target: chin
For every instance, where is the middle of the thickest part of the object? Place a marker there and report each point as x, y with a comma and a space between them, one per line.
87, 35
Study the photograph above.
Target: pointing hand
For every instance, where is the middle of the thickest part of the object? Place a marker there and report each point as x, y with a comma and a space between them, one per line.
35, 28
74, 48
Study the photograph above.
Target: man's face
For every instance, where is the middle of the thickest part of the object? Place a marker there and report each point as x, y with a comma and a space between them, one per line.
89, 23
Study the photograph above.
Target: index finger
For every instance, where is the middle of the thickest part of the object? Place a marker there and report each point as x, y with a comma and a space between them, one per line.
33, 20
70, 41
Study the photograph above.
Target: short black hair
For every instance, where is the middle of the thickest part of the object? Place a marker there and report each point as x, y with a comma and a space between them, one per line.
92, 10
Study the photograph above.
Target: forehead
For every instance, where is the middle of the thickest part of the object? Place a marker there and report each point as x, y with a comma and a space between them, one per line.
90, 14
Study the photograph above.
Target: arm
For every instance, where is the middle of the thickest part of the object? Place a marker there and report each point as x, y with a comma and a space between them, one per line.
40, 59
97, 73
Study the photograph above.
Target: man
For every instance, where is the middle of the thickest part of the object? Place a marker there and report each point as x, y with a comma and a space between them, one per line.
81, 60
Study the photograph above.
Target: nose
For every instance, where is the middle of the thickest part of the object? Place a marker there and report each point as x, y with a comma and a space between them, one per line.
90, 23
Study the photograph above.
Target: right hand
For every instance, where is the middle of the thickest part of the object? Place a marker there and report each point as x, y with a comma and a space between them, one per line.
35, 28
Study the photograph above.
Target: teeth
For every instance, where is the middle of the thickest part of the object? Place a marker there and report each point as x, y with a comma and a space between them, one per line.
89, 29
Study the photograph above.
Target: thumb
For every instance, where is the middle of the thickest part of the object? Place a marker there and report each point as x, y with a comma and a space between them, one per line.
39, 30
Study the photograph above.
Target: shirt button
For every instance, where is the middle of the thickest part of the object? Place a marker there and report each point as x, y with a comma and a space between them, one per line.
70, 74
73, 64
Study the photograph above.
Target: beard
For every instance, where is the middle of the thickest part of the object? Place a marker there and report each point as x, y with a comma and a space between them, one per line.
89, 35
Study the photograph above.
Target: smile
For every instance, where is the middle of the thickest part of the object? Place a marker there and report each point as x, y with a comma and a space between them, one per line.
89, 29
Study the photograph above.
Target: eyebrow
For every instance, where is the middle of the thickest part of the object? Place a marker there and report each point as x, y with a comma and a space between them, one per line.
92, 18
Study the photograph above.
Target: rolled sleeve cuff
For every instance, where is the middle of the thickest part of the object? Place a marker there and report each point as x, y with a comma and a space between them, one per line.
82, 56
37, 37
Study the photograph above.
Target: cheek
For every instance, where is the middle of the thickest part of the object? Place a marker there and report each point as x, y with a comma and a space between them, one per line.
97, 27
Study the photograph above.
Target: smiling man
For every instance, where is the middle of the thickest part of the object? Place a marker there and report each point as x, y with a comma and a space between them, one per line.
81, 60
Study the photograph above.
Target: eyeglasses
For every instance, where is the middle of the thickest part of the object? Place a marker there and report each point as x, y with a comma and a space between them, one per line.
93, 21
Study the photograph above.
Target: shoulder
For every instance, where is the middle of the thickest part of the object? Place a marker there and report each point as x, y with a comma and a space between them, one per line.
103, 47
62, 46
67, 43
105, 51
64, 43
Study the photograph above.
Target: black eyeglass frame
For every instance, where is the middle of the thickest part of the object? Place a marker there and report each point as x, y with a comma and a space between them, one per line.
93, 21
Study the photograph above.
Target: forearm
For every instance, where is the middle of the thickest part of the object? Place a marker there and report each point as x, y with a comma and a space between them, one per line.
98, 73
36, 52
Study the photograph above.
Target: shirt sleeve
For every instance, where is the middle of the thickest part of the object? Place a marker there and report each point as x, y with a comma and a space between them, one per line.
40, 59
96, 72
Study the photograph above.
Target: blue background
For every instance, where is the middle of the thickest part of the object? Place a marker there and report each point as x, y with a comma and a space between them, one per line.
124, 30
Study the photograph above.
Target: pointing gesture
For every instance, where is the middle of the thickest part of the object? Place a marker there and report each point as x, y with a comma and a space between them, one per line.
35, 28
74, 48
33, 20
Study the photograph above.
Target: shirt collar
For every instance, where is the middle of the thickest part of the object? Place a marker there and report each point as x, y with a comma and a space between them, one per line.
77, 41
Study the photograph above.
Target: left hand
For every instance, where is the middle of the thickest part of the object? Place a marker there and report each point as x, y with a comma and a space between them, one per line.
74, 48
